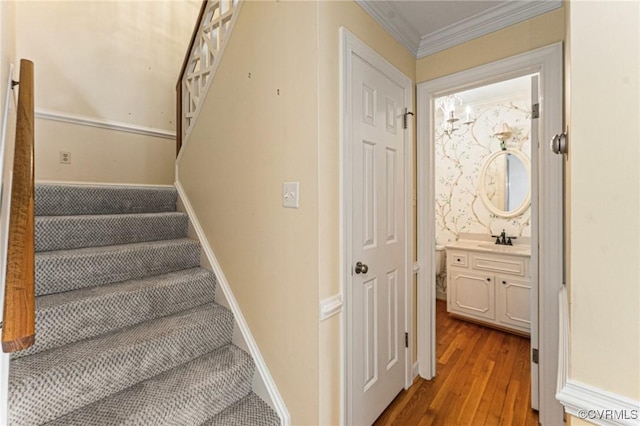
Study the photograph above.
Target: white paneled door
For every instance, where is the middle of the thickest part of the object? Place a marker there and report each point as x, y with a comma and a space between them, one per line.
378, 240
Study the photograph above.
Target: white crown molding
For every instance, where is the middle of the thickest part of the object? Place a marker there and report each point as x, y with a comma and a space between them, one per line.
330, 306
493, 19
260, 364
83, 120
406, 35
584, 401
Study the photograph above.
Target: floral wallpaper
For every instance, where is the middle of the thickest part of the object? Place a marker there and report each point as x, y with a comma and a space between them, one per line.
458, 161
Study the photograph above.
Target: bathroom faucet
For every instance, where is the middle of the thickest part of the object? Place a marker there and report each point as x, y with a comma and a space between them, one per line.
503, 239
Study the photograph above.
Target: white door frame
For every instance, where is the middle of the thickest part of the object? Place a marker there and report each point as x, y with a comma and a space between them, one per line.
350, 45
547, 243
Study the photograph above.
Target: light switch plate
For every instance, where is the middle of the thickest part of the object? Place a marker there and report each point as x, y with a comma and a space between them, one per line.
291, 194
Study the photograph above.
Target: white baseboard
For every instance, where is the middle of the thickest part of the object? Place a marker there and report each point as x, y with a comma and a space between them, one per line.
88, 183
415, 370
83, 120
261, 367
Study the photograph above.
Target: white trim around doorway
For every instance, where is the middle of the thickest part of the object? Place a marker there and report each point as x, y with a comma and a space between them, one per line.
546, 243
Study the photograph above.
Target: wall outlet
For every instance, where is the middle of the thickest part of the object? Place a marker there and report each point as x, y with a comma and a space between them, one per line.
65, 157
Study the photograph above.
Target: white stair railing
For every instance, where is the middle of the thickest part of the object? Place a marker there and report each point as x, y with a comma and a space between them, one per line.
209, 38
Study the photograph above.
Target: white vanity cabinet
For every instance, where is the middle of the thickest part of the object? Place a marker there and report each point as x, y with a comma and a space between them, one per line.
490, 287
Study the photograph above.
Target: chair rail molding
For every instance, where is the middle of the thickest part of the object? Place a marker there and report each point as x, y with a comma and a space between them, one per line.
597, 405
83, 120
330, 306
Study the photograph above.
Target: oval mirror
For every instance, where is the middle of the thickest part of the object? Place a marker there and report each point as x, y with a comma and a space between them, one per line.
505, 183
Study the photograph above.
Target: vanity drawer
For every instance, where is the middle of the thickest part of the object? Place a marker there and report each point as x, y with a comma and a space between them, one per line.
503, 264
459, 259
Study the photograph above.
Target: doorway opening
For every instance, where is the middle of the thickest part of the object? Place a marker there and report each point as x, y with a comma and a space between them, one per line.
487, 278
483, 226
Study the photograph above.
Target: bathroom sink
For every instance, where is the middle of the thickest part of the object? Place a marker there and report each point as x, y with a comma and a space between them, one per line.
508, 249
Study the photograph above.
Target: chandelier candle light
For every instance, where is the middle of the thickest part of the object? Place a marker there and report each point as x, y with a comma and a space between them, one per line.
448, 105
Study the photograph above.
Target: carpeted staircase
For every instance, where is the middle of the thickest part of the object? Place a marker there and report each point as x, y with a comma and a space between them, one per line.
127, 330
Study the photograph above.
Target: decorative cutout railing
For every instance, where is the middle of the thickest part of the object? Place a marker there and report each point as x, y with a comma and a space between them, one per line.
18, 323
208, 40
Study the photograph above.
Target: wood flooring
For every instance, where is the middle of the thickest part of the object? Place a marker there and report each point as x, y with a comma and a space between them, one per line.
483, 378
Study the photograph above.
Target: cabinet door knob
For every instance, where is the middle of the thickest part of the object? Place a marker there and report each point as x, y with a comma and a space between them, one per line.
489, 279
504, 282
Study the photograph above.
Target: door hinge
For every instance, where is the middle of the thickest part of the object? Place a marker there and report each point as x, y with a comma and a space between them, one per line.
405, 120
534, 356
406, 340
535, 111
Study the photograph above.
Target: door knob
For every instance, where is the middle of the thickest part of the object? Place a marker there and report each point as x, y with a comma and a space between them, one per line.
361, 268
559, 143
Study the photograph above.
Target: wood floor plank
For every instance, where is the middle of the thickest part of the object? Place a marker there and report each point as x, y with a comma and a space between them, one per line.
482, 378
474, 394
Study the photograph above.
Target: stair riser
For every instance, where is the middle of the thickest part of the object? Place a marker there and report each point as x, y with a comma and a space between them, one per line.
92, 372
250, 410
187, 395
62, 200
70, 232
124, 305
70, 270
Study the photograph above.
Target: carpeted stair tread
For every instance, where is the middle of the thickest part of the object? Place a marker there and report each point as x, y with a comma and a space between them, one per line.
70, 232
185, 395
63, 200
53, 383
65, 270
127, 330
250, 410
68, 317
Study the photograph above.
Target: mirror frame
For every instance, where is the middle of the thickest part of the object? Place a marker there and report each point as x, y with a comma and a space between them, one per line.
483, 194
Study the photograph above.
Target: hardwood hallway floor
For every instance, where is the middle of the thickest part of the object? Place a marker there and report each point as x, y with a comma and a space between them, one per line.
483, 379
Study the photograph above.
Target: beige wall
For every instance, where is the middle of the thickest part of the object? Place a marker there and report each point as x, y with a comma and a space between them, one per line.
101, 155
7, 53
114, 61
333, 15
7, 47
295, 254
248, 140
605, 195
537, 32
7, 57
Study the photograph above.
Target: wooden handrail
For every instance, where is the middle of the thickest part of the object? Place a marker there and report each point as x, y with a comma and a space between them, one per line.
18, 323
183, 69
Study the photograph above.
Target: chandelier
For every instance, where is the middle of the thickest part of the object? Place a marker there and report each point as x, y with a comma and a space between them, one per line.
448, 106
